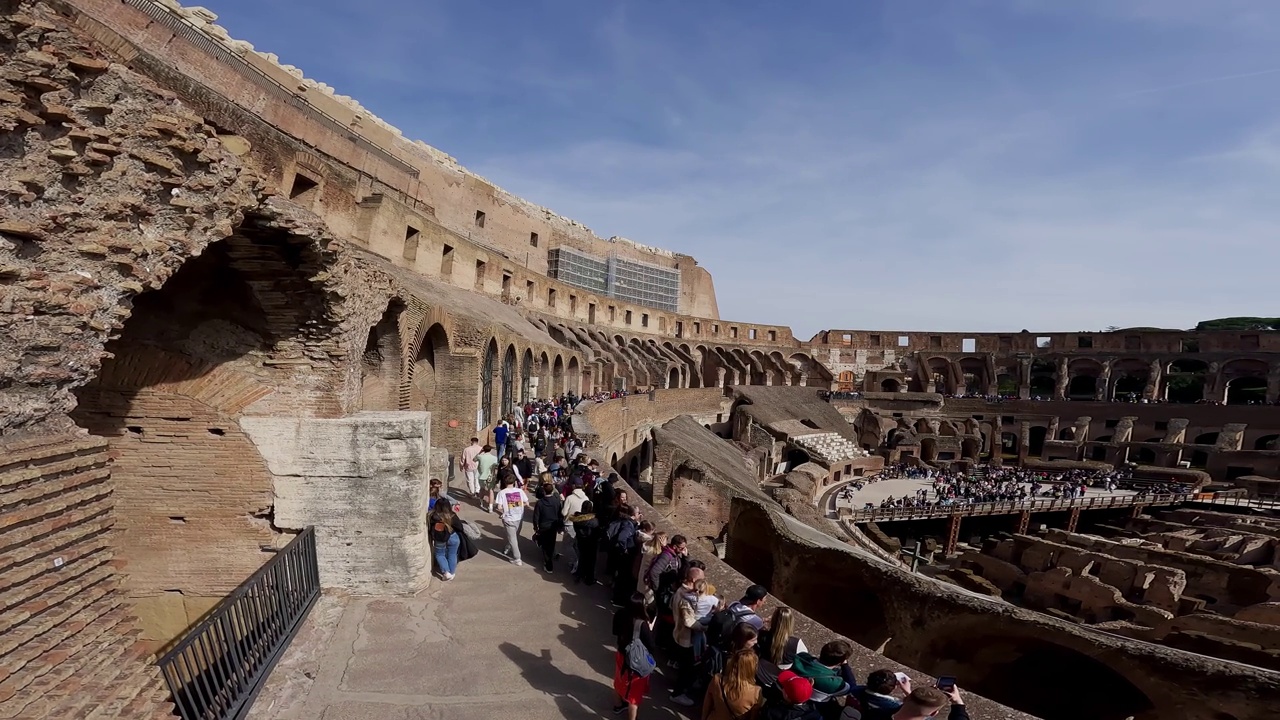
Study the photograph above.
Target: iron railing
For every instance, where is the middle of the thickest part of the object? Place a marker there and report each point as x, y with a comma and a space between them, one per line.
1010, 507
216, 670
1013, 507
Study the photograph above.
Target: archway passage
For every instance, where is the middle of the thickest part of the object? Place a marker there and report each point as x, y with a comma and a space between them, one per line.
1267, 442
380, 363
526, 376
1082, 387
1247, 391
1185, 381
1042, 387
573, 381
673, 378
488, 369
1007, 384
193, 497
890, 385
1035, 443
428, 366
508, 381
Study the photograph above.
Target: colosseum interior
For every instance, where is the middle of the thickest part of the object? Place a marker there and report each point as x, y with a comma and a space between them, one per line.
236, 305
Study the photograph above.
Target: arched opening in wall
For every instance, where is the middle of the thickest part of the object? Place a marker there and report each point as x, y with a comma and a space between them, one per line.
974, 373
890, 385
488, 373
1005, 668
1042, 387
426, 371
969, 448
526, 376
1008, 444
557, 376
1185, 381
673, 378
1067, 434
508, 381
633, 469
1007, 384
1267, 442
574, 381
613, 462
380, 362
940, 376
1082, 387
191, 495
1210, 438
1145, 456
1035, 443
1247, 391
1098, 452
1129, 379
1044, 378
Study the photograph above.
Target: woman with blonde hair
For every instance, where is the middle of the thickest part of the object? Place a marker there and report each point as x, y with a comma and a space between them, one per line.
733, 693
650, 550
778, 641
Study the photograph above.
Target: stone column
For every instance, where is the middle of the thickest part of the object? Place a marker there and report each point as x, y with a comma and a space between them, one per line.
1060, 386
1103, 389
1024, 379
1154, 376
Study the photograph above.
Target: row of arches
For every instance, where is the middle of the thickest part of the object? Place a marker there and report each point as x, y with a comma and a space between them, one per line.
617, 361
1240, 381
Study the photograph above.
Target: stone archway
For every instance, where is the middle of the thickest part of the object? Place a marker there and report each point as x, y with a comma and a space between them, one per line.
488, 373
193, 498
380, 362
428, 366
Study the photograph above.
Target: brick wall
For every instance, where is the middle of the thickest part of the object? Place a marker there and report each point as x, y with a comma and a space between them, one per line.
67, 639
193, 499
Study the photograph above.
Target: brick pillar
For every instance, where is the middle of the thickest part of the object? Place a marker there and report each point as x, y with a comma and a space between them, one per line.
1024, 522
953, 535
1073, 520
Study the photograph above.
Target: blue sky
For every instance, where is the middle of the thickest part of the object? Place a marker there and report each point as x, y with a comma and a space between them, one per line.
905, 164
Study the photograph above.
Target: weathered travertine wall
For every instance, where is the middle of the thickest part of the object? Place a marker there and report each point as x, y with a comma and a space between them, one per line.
362, 482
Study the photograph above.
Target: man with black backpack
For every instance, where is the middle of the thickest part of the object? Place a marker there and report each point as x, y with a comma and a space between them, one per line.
721, 624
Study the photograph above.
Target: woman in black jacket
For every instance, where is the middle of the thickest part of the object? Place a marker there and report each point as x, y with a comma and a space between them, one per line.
548, 522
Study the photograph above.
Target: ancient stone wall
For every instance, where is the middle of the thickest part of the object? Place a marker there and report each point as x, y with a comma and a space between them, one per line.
68, 643
362, 482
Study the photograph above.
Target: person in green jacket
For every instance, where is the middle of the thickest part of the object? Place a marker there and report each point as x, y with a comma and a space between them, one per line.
830, 672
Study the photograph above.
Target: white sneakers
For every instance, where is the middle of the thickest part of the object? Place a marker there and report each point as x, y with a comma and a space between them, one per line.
449, 576
517, 563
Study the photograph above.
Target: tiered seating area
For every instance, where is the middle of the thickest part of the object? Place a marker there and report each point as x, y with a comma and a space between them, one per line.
830, 447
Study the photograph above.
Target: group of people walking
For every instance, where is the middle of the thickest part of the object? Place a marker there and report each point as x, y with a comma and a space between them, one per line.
722, 657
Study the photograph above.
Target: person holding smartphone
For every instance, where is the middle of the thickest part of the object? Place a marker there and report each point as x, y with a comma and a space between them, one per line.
878, 698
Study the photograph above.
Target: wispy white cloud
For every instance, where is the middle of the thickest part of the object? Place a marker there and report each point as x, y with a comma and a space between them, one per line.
980, 165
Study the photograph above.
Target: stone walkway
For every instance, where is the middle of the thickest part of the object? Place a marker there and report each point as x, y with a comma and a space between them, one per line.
500, 641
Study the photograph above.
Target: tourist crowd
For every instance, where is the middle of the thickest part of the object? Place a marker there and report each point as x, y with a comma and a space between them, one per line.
988, 483
721, 655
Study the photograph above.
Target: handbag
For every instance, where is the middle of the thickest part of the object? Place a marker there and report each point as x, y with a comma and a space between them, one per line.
639, 659
470, 530
467, 547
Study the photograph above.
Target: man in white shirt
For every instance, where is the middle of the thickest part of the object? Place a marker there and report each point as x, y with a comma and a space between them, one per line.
469, 468
511, 502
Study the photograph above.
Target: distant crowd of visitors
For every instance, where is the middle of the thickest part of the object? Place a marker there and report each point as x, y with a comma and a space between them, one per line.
989, 483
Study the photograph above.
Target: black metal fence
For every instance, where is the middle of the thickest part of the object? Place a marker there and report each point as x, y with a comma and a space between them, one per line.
216, 670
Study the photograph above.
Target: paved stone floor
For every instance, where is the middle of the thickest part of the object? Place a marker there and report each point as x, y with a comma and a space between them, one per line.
499, 641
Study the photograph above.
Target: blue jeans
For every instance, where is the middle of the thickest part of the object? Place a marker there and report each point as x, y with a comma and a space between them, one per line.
447, 554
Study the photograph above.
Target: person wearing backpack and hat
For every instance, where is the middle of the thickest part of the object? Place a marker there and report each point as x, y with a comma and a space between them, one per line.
631, 624
790, 699
830, 672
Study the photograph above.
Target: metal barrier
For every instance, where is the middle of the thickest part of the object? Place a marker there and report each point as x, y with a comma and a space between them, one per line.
1010, 507
216, 670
